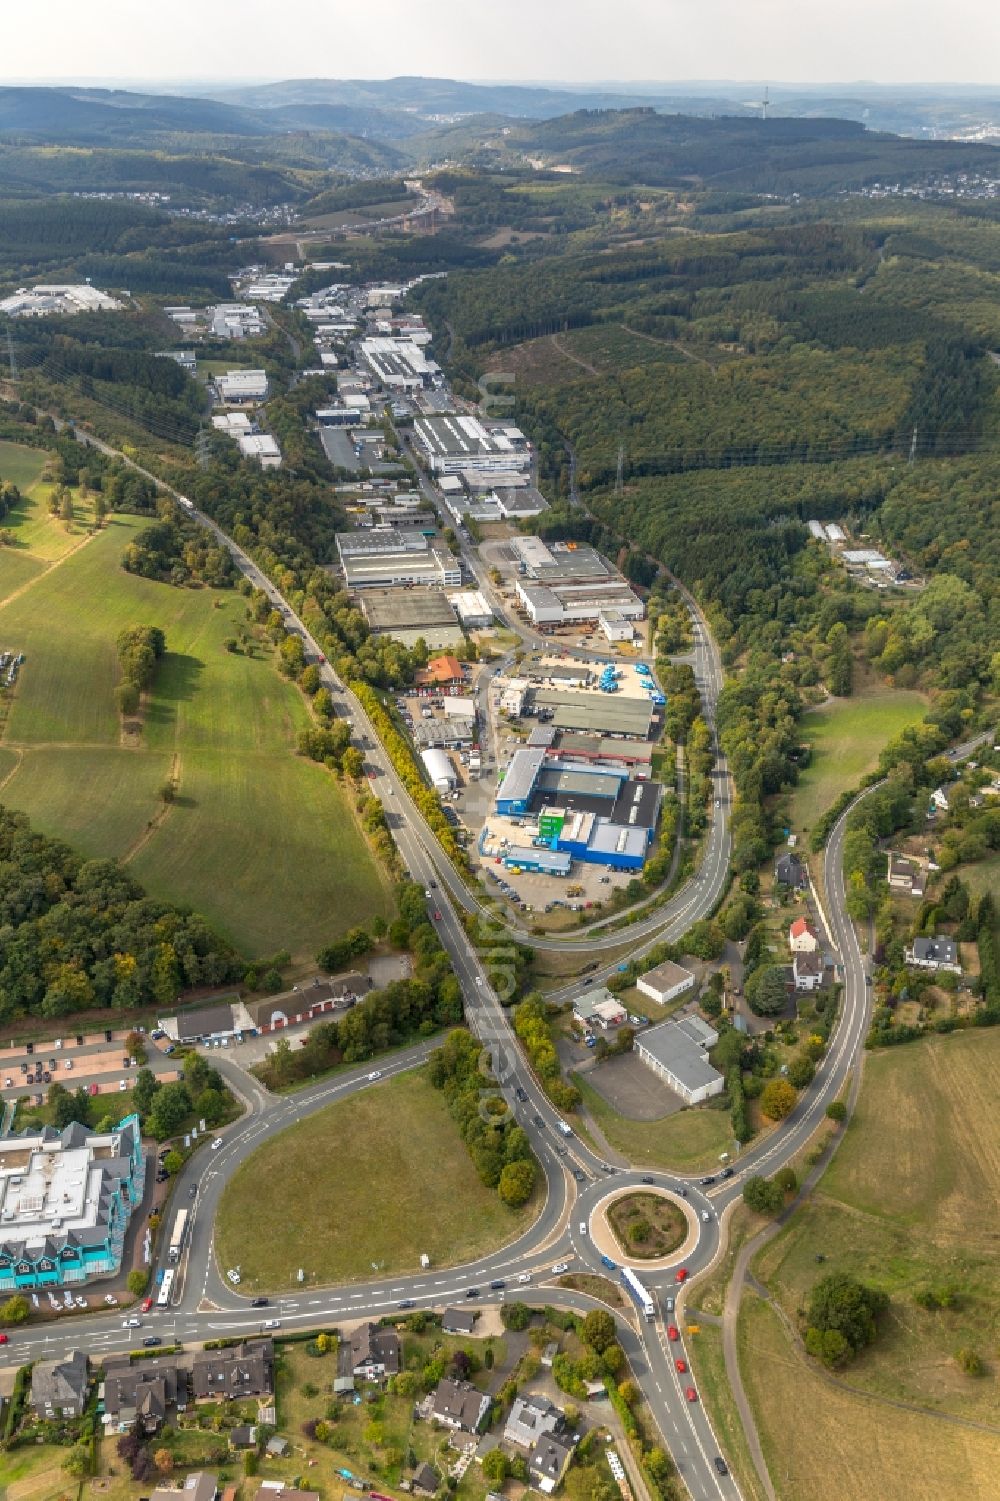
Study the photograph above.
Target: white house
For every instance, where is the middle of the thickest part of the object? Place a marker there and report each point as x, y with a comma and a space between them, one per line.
802, 937
807, 970
665, 982
677, 1051
940, 799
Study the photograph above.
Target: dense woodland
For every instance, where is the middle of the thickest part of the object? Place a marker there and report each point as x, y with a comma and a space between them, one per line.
78, 934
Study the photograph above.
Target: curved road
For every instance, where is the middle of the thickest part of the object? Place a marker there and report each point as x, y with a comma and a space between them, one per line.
576, 1179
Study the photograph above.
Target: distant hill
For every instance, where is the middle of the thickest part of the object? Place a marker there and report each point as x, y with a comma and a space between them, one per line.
762, 156
94, 116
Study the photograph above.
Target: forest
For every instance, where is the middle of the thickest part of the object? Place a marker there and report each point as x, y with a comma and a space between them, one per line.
80, 934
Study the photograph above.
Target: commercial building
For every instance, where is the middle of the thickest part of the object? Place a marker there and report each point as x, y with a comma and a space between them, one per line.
408, 614
398, 364
666, 982
440, 672
204, 1024
241, 387
536, 860
599, 1008
599, 713
456, 445
262, 447
677, 1052
615, 625
233, 424
518, 502
568, 604
66, 1199
514, 696
635, 754
392, 556
439, 769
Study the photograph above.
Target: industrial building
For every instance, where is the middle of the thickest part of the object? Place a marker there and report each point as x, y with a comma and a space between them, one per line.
439, 769
560, 562
454, 445
66, 1199
384, 558
594, 814
38, 302
398, 364
234, 320
262, 447
233, 424
610, 600
407, 615
677, 1051
473, 610
637, 754
597, 713
237, 387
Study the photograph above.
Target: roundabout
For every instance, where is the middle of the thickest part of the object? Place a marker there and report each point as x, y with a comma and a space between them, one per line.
606, 1239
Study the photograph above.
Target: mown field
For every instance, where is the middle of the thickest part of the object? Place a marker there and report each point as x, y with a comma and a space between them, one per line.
688, 1140
847, 737
392, 1149
259, 840
39, 538
910, 1202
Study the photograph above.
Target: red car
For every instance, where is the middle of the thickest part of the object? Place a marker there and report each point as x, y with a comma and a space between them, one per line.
147, 1304
691, 1394
681, 1366
3, 1339
672, 1332
437, 917
682, 1274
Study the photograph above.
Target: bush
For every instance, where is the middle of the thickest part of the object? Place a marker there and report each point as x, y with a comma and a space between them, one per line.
837, 1111
969, 1361
137, 1281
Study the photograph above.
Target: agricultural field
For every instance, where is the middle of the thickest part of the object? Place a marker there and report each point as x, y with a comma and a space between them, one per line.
404, 1151
911, 1203
688, 1141
847, 737
249, 816
825, 1443
39, 538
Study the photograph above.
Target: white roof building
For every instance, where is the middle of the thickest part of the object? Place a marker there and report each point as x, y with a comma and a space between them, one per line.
238, 386
439, 769
677, 1051
262, 447
472, 608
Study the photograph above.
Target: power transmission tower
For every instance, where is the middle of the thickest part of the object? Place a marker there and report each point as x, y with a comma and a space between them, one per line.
203, 448
764, 103
913, 446
12, 358
620, 474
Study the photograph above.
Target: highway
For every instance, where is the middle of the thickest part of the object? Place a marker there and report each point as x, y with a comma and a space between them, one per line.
576, 1179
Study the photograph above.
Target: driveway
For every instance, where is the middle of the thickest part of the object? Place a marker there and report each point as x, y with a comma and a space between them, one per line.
632, 1089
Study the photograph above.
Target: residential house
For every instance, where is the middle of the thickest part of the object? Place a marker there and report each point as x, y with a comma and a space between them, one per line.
940, 800
244, 1437
549, 1461
426, 1480
790, 871
371, 1353
59, 1387
243, 1370
905, 874
530, 1419
458, 1404
934, 953
458, 1321
142, 1392
198, 1486
807, 971
802, 937
440, 672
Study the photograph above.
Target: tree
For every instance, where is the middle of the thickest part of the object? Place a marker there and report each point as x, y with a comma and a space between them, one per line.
167, 792
144, 1090
598, 1330
801, 1071
127, 698
66, 506
767, 990
164, 1461
495, 1467
172, 1163
171, 1107
517, 1181
845, 1306
516, 1315
137, 1281
14, 1311
836, 1111
777, 1099
77, 1461
762, 1196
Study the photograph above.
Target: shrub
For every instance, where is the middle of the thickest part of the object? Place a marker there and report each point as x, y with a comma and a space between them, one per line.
969, 1361
837, 1111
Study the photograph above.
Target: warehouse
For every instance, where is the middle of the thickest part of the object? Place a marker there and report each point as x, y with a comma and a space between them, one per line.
561, 562
238, 387
398, 364
601, 714
383, 558
677, 1051
439, 769
637, 754
454, 444
597, 841
410, 615
571, 603
615, 625
473, 610
262, 447
536, 861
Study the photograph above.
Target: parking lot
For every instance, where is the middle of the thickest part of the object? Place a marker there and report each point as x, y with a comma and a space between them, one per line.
94, 1061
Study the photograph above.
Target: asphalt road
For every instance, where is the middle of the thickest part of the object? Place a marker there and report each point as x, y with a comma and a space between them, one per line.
207, 1306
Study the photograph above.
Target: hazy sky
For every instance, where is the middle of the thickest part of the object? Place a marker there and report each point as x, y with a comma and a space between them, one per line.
823, 40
